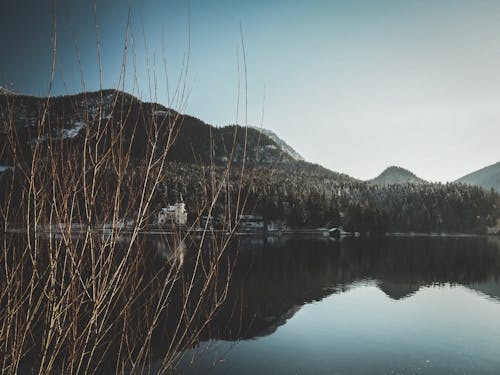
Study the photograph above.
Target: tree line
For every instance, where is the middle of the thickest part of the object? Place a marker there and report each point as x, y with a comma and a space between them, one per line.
315, 198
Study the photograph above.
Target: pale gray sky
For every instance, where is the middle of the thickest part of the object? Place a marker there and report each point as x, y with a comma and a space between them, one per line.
353, 85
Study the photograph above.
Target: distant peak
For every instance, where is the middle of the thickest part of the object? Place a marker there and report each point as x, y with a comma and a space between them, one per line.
397, 169
487, 177
396, 175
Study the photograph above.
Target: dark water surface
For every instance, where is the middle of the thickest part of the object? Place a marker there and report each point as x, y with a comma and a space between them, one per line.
361, 306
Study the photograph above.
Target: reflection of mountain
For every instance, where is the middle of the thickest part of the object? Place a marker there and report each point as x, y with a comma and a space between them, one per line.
270, 284
491, 288
398, 290
273, 281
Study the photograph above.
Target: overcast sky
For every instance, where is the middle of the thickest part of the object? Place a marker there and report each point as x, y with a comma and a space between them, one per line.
353, 85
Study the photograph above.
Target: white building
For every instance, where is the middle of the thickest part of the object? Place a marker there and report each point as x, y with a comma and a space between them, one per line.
174, 214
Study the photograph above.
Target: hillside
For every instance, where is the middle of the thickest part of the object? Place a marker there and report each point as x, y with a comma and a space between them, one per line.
487, 177
191, 140
396, 175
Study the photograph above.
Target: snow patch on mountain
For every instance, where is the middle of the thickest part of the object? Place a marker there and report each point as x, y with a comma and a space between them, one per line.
72, 133
62, 133
161, 113
285, 147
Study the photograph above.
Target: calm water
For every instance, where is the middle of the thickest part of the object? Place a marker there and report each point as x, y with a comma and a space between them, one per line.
385, 306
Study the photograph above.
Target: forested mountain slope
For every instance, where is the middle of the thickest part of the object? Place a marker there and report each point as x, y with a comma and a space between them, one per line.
266, 177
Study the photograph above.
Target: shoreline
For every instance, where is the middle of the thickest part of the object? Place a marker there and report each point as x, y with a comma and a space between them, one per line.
158, 230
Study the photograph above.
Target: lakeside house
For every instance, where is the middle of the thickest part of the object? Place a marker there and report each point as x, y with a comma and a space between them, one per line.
173, 214
251, 223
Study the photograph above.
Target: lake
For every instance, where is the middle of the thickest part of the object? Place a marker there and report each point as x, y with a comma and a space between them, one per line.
414, 305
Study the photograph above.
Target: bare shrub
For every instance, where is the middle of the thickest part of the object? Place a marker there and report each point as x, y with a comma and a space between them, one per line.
81, 290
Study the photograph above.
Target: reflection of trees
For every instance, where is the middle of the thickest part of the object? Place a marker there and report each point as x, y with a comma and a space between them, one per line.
271, 282
273, 279
425, 261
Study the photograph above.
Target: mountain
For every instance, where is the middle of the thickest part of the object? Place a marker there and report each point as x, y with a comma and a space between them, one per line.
110, 134
285, 147
487, 177
192, 141
68, 117
396, 175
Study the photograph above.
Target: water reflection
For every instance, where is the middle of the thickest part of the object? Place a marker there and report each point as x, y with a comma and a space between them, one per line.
169, 250
273, 280
401, 290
